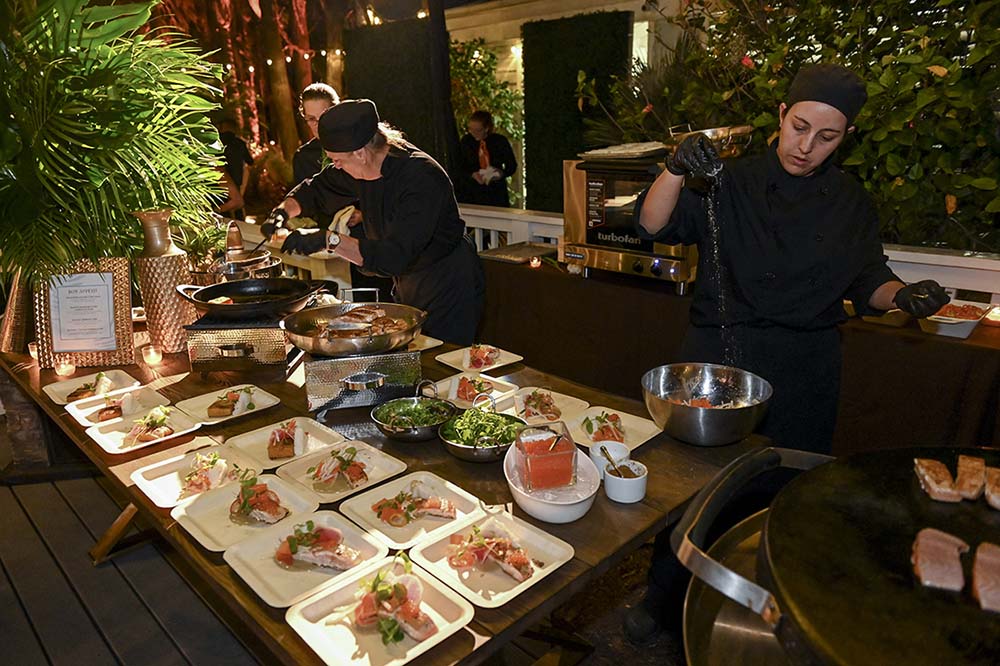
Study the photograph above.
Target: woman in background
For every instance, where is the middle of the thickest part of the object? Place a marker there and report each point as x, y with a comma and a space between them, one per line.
487, 162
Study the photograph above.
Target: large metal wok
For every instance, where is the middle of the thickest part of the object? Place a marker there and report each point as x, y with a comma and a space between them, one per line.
257, 298
826, 573
301, 330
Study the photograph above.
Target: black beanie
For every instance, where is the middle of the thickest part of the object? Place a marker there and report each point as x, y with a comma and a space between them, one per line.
345, 127
831, 84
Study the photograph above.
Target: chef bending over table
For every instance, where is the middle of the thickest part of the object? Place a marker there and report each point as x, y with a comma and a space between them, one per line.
407, 204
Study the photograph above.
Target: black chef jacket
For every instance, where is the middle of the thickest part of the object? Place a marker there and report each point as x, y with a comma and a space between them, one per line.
791, 249
414, 234
307, 161
501, 157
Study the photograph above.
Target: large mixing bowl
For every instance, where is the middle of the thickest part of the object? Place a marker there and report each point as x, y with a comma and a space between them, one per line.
666, 387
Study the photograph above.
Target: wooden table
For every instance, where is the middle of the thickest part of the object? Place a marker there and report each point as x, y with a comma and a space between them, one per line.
602, 538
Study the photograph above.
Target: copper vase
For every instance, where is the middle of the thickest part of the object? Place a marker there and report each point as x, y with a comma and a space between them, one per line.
162, 266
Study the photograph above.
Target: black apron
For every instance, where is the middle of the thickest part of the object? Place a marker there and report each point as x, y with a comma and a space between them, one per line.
803, 367
443, 290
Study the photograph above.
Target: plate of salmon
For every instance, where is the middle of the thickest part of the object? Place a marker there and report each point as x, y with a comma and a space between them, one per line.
491, 559
284, 564
229, 403
341, 470
121, 403
77, 388
478, 358
285, 441
384, 614
602, 424
410, 509
461, 390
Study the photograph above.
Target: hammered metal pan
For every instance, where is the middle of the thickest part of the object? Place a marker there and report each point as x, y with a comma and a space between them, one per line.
301, 330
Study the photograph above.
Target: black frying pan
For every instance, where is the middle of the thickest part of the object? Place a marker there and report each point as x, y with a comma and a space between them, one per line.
252, 299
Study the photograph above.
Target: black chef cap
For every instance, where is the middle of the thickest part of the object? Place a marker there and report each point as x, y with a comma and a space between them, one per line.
347, 126
831, 84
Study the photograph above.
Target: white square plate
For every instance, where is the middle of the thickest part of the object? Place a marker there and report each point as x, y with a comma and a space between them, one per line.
637, 429
953, 327
254, 443
378, 466
567, 404
110, 435
280, 586
162, 482
85, 411
423, 343
197, 407
456, 358
325, 621
447, 388
359, 509
206, 516
486, 585
59, 391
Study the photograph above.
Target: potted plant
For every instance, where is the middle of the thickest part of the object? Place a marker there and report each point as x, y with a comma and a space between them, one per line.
97, 120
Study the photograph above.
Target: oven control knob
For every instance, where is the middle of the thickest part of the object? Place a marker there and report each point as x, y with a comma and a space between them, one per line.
655, 269
637, 266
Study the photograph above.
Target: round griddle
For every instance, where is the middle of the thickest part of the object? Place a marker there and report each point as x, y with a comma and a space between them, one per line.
835, 552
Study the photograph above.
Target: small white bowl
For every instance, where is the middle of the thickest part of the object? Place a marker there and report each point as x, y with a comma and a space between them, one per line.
626, 491
550, 511
619, 453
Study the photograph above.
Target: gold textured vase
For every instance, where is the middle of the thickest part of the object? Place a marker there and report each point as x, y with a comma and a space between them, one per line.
162, 266
17, 327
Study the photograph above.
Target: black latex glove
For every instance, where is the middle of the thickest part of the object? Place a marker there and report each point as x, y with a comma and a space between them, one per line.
921, 299
695, 156
276, 219
305, 241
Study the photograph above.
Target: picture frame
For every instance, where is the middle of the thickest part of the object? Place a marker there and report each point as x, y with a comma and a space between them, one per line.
84, 316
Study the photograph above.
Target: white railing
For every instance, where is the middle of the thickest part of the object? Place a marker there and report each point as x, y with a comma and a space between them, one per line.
486, 223
951, 268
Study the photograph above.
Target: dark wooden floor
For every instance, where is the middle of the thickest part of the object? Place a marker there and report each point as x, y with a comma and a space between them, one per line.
57, 608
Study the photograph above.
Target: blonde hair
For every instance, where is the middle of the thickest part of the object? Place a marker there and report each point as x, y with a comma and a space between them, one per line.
386, 135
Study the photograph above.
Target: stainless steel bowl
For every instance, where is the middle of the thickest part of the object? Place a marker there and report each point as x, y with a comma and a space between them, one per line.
480, 454
664, 387
411, 433
301, 326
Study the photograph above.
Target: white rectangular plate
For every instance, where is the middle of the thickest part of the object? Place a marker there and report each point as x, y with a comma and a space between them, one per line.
59, 391
280, 586
456, 359
110, 435
637, 429
486, 585
379, 466
197, 407
162, 482
359, 509
423, 343
85, 411
502, 392
325, 621
254, 443
567, 404
206, 516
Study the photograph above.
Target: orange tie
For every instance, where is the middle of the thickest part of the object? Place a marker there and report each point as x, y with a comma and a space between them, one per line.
484, 155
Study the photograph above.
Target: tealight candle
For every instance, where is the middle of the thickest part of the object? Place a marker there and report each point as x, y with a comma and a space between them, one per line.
151, 355
64, 368
33, 350
535, 262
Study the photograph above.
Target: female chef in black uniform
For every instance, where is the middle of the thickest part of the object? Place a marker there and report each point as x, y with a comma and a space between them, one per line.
413, 230
796, 236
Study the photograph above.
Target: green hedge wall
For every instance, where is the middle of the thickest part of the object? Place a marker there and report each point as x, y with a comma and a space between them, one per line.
390, 65
553, 52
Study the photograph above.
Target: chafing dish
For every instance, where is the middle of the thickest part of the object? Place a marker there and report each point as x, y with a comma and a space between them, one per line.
301, 329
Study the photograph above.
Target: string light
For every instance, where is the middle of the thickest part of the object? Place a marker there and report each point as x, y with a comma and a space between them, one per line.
269, 62
305, 56
288, 58
338, 52
421, 14
251, 69
229, 66
323, 53
272, 142
476, 54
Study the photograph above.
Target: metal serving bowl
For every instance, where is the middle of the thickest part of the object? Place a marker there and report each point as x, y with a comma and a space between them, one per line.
300, 329
480, 454
411, 433
705, 426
